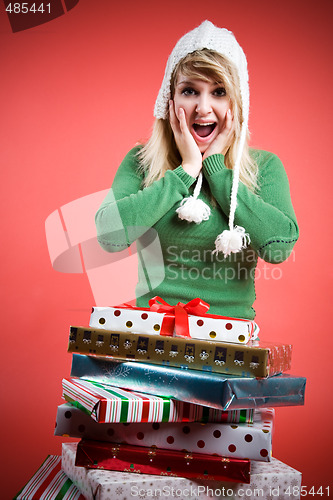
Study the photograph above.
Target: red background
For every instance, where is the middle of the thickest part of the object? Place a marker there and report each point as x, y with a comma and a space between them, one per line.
76, 94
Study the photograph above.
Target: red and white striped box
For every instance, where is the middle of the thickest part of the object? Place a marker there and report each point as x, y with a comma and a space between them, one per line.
111, 404
50, 482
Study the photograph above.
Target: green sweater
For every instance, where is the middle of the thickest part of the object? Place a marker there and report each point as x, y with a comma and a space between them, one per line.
175, 257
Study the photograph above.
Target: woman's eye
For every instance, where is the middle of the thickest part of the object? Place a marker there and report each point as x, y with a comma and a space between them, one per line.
220, 92
188, 91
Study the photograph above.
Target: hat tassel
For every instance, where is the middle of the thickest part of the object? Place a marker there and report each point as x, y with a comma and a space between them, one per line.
232, 241
235, 238
192, 209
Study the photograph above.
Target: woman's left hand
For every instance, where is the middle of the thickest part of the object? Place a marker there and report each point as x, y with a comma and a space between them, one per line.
223, 141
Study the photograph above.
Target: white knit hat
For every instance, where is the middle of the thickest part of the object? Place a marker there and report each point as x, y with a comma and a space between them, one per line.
208, 36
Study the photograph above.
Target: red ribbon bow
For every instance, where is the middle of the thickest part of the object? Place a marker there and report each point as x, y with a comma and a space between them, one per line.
180, 311
176, 316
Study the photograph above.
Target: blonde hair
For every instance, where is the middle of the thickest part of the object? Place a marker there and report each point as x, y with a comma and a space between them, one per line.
160, 153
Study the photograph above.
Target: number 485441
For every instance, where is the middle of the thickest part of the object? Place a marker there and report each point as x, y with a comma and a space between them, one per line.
24, 8
303, 491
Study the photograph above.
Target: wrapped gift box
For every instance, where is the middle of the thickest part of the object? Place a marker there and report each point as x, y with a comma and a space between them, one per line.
50, 482
173, 321
154, 461
210, 389
268, 479
105, 403
252, 360
241, 440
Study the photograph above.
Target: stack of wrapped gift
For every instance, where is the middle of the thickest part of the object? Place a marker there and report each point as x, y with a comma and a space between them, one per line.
172, 399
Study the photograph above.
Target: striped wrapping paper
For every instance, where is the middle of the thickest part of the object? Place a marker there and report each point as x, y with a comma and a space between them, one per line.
107, 404
50, 483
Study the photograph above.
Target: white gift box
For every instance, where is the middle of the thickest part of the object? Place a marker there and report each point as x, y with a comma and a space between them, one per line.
207, 327
233, 440
268, 480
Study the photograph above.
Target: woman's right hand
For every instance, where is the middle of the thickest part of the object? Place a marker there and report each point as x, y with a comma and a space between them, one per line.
187, 147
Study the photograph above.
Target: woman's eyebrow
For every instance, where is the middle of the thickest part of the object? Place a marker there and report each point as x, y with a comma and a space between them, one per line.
191, 82
184, 82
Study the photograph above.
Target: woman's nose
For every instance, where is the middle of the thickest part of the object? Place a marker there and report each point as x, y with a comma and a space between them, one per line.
203, 105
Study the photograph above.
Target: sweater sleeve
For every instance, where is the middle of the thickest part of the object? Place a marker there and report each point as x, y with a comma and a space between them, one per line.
129, 210
268, 216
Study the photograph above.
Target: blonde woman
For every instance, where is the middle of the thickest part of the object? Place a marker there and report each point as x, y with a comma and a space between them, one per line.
214, 203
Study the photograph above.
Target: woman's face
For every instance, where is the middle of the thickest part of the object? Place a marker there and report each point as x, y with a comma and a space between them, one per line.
205, 104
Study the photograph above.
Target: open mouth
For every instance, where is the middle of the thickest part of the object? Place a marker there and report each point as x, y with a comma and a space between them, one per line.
204, 130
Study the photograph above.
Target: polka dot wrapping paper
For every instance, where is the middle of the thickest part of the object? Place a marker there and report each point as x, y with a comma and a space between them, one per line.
139, 320
214, 390
240, 440
255, 359
270, 480
50, 482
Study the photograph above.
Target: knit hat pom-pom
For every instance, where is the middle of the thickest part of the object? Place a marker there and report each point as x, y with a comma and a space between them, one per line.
232, 241
193, 210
